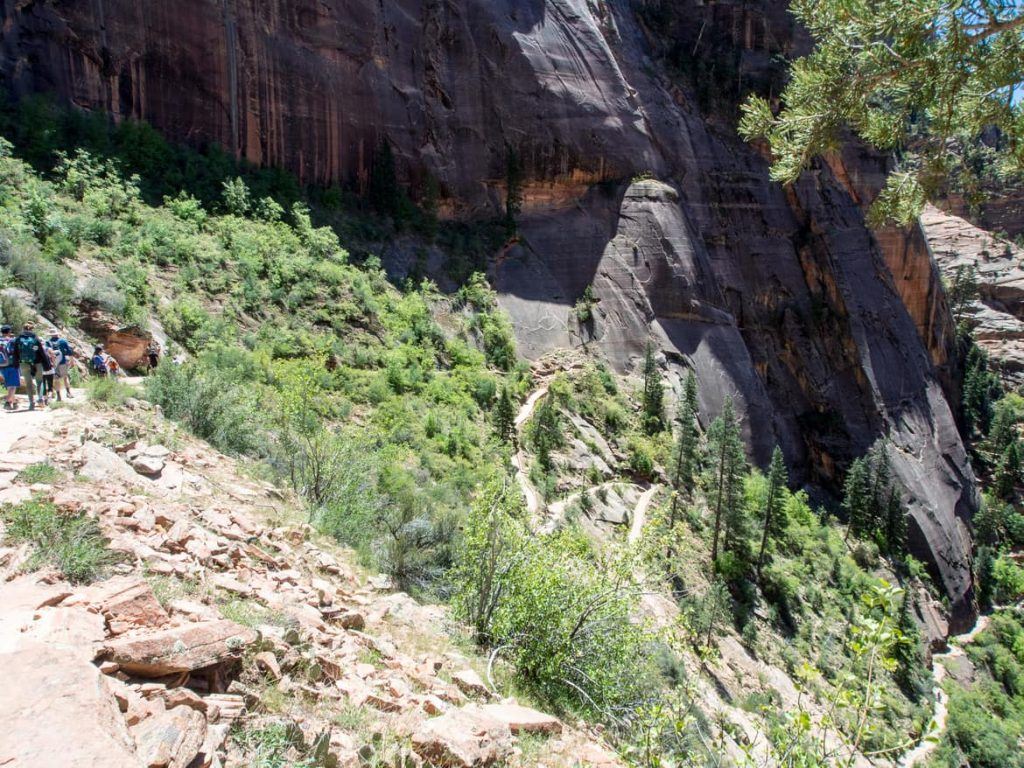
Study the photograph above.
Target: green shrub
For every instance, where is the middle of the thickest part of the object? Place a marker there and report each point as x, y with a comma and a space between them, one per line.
211, 403
53, 285
43, 472
109, 390
71, 543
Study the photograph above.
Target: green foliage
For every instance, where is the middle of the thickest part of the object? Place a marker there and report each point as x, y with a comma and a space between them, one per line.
981, 388
726, 465
108, 390
51, 284
71, 543
504, 416
584, 307
560, 613
962, 290
986, 720
872, 501
43, 472
272, 745
545, 432
927, 78
652, 405
774, 499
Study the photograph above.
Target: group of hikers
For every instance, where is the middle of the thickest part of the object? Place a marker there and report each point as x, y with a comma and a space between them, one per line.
44, 367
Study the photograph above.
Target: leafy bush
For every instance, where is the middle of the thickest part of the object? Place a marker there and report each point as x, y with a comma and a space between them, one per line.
43, 472
562, 616
74, 544
53, 285
210, 403
109, 390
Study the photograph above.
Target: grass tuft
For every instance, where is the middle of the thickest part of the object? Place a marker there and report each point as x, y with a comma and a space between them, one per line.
74, 544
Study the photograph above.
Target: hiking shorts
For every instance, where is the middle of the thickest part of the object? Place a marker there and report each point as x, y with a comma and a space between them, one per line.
28, 376
11, 377
62, 371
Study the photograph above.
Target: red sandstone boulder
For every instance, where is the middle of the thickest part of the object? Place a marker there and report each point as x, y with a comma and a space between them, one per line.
179, 649
463, 738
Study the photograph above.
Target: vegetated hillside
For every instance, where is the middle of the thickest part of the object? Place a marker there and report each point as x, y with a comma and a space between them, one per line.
828, 336
391, 414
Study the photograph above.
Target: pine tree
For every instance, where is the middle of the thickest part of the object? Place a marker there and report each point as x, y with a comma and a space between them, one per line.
928, 77
777, 481
727, 464
986, 577
881, 485
1004, 428
684, 467
907, 652
1008, 472
653, 406
896, 524
546, 432
504, 416
857, 498
981, 388
988, 522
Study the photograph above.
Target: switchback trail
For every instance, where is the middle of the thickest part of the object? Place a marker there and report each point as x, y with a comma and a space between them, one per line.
930, 740
556, 512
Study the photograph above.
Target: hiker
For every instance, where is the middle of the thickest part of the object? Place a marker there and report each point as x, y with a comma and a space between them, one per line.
47, 370
65, 353
9, 367
153, 355
99, 361
29, 350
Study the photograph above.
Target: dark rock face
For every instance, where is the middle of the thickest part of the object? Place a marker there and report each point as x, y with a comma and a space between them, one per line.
827, 335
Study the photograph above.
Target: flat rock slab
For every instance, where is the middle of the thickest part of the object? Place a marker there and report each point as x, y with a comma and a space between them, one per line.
126, 602
179, 649
57, 711
172, 738
521, 719
101, 464
463, 738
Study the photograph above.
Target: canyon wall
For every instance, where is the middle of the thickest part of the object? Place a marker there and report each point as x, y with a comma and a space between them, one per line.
827, 336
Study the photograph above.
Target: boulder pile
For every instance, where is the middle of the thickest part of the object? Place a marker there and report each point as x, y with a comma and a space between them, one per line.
225, 618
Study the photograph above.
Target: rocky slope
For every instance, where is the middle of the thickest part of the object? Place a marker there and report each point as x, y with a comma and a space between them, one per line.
226, 621
827, 335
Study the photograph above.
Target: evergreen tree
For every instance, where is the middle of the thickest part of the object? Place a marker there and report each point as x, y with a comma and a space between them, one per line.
546, 432
504, 415
986, 577
896, 524
907, 75
1008, 472
653, 406
857, 498
962, 290
988, 522
881, 486
513, 189
981, 389
1004, 427
726, 466
778, 479
907, 653
684, 466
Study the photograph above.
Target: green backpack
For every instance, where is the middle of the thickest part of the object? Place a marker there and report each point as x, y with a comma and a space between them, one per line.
28, 348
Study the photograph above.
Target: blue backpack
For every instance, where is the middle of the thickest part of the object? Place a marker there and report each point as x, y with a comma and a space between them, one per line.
6, 353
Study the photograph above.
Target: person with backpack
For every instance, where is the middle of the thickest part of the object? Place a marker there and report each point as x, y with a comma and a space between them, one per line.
65, 353
29, 350
99, 361
9, 367
153, 356
47, 369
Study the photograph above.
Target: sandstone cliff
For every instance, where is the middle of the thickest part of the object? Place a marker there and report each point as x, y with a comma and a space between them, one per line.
828, 336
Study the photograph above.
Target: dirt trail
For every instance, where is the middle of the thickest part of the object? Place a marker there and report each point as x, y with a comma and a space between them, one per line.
930, 740
639, 517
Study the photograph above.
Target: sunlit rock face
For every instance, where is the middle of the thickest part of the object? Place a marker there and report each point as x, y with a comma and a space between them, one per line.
827, 336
